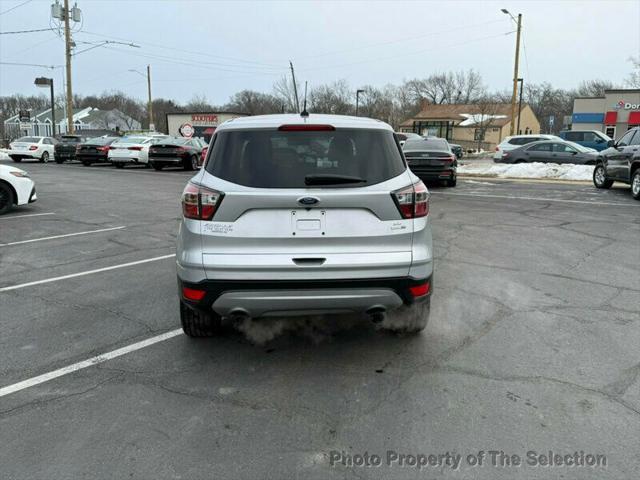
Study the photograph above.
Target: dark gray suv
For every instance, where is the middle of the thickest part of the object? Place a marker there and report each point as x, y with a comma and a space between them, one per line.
620, 163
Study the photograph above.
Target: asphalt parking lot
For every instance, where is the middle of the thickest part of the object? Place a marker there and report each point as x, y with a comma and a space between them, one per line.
532, 345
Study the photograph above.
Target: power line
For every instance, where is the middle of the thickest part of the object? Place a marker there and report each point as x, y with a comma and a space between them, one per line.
205, 65
418, 52
31, 65
194, 52
26, 31
402, 40
17, 6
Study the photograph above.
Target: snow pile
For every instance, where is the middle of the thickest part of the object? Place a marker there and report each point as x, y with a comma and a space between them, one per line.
478, 118
3, 154
529, 170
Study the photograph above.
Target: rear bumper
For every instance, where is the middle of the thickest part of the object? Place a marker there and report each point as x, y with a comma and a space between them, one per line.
285, 297
92, 158
434, 173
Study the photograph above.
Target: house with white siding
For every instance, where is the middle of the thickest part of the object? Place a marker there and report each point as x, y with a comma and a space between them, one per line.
88, 118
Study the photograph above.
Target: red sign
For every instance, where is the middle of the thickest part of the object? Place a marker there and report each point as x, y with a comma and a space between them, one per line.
186, 130
204, 118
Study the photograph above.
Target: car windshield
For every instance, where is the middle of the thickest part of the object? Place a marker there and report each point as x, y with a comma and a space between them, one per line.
428, 144
29, 139
284, 159
71, 139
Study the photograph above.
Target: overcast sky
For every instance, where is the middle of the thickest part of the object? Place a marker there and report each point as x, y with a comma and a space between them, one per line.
214, 49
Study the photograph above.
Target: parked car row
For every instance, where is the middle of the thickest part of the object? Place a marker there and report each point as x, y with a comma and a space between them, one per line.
119, 151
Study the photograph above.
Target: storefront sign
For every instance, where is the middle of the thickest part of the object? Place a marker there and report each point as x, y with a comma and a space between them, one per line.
204, 119
186, 130
627, 105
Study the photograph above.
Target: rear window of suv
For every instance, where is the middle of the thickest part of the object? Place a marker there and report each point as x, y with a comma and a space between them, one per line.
282, 159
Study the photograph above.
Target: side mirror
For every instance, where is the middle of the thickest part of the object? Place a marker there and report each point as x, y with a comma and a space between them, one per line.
574, 153
611, 143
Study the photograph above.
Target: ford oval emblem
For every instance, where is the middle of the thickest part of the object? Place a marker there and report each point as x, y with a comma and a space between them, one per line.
308, 201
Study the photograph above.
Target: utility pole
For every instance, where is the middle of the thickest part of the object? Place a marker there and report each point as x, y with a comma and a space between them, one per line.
67, 49
152, 127
358, 92
521, 80
515, 75
295, 88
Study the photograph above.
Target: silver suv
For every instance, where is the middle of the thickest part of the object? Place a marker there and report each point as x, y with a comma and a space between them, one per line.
297, 215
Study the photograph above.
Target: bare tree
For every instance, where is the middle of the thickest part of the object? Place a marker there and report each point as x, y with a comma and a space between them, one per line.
484, 117
254, 103
633, 80
335, 98
285, 92
593, 88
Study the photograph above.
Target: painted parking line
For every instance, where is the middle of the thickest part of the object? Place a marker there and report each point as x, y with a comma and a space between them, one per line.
62, 236
46, 377
540, 199
87, 272
28, 215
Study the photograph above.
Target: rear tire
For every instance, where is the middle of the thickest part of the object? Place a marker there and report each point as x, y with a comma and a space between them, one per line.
197, 324
16, 159
635, 184
157, 166
119, 165
600, 179
452, 182
45, 157
191, 163
409, 319
6, 198
86, 164
58, 160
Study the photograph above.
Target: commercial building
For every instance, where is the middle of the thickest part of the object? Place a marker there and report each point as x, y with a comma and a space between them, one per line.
84, 119
197, 124
471, 125
613, 114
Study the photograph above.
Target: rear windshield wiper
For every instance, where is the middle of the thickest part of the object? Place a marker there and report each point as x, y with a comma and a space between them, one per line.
330, 179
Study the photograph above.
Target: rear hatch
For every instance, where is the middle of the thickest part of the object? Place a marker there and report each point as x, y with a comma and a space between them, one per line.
428, 154
67, 145
166, 151
308, 204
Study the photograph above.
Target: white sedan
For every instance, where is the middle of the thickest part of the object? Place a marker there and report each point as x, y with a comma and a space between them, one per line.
134, 149
40, 148
16, 188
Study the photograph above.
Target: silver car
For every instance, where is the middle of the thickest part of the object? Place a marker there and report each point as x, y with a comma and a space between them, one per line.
297, 215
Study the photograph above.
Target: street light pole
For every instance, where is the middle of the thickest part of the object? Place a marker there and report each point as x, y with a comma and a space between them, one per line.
521, 80
515, 68
152, 127
358, 92
150, 102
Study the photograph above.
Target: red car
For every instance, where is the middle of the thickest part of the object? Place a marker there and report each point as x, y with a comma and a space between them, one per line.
203, 156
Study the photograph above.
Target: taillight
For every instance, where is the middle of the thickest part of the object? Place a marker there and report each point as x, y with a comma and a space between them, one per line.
497, 149
33, 147
105, 148
450, 158
412, 201
420, 290
181, 150
200, 203
135, 148
193, 294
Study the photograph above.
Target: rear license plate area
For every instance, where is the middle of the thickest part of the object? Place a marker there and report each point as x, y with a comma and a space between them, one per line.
308, 223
